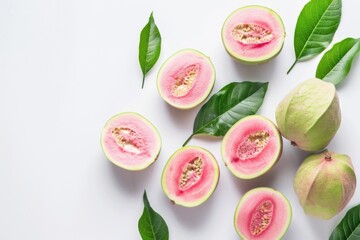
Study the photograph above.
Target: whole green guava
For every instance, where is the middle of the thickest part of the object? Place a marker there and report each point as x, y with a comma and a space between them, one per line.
325, 183
309, 116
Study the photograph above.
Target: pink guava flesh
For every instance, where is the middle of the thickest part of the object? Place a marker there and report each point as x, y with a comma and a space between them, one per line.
130, 141
253, 34
186, 79
251, 147
262, 213
190, 176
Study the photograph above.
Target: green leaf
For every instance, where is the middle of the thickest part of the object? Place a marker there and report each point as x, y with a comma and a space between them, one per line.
149, 47
151, 225
233, 102
349, 227
315, 28
335, 65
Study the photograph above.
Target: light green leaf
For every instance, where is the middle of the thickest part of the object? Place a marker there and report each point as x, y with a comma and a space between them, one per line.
349, 227
151, 225
149, 47
233, 102
335, 65
315, 28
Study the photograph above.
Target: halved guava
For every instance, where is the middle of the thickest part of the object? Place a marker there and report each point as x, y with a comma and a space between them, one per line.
251, 146
130, 141
190, 176
262, 213
186, 79
253, 34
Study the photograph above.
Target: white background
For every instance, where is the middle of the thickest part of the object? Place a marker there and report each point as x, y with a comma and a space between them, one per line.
66, 66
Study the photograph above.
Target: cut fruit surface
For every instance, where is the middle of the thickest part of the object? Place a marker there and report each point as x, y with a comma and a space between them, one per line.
253, 34
186, 79
251, 147
262, 213
190, 176
130, 141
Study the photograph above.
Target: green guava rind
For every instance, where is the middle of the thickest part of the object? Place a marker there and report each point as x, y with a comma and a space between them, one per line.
310, 115
275, 159
197, 202
205, 94
147, 163
254, 191
266, 57
325, 187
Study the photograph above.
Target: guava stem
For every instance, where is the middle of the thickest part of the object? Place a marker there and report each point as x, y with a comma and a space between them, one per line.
187, 140
143, 81
292, 66
327, 155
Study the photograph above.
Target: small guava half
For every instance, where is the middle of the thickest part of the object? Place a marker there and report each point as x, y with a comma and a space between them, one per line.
190, 176
186, 79
130, 141
251, 147
253, 34
262, 213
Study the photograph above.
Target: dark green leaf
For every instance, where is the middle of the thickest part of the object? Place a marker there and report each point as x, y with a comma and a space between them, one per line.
335, 65
151, 225
349, 227
315, 28
233, 102
149, 47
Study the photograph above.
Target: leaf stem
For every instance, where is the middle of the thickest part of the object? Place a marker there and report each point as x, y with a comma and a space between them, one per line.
143, 80
292, 66
187, 140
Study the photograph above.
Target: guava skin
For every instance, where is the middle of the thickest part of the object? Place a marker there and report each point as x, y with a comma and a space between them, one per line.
325, 183
309, 116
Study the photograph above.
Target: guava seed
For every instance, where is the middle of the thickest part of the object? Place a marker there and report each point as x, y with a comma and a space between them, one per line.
184, 80
127, 139
253, 145
261, 217
250, 33
191, 173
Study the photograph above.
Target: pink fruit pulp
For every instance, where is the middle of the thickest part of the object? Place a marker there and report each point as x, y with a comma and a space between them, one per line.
176, 66
148, 144
253, 166
259, 16
199, 191
281, 214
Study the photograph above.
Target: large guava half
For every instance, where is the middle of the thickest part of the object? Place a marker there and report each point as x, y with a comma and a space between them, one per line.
186, 79
190, 176
253, 34
130, 141
262, 213
251, 146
